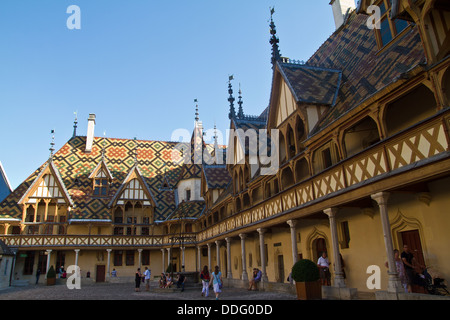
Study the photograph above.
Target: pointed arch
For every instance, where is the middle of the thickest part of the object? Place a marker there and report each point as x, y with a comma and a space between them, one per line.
311, 240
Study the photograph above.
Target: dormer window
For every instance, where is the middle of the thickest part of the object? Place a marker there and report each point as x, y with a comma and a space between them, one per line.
101, 187
389, 29
101, 178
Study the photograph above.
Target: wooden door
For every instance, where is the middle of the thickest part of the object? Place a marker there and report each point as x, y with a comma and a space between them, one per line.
321, 247
281, 274
100, 275
412, 240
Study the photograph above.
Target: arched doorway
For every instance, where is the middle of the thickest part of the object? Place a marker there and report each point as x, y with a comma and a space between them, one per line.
319, 247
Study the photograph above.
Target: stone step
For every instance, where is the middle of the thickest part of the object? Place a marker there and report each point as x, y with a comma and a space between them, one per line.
20, 283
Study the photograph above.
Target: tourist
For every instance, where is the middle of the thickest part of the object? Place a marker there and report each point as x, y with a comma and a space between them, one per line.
217, 281
205, 281
324, 267
253, 283
137, 280
180, 282
147, 274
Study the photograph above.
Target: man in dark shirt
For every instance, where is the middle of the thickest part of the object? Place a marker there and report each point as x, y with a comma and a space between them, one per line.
410, 265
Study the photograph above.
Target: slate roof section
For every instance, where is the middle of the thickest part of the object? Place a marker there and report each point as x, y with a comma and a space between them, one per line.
312, 85
188, 210
216, 176
365, 68
5, 250
5, 186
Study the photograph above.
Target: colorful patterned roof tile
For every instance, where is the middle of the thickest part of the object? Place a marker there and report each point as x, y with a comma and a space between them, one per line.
216, 176
312, 85
365, 68
75, 166
187, 210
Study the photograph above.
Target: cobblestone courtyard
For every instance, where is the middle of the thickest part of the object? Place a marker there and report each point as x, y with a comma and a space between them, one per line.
125, 291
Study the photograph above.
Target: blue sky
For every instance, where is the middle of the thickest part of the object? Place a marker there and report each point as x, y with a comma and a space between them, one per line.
138, 65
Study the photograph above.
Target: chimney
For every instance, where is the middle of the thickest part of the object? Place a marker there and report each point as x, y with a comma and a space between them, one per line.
90, 132
340, 10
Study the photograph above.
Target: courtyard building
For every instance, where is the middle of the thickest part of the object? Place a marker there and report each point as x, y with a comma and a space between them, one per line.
364, 168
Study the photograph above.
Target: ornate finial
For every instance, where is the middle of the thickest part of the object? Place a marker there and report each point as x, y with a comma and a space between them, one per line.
196, 110
231, 99
75, 124
135, 151
240, 110
52, 144
274, 39
103, 145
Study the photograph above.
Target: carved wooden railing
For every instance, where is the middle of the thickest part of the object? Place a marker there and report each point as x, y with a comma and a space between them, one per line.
92, 241
424, 140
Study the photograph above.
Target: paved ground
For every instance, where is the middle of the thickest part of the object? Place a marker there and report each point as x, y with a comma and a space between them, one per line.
125, 291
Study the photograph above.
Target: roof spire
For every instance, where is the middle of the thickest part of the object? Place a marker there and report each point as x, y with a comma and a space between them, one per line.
135, 151
52, 145
274, 39
231, 99
75, 124
196, 110
240, 102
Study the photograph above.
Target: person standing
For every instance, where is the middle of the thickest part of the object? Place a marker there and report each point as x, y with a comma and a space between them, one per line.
410, 264
147, 275
205, 281
137, 280
324, 267
217, 281
38, 274
400, 269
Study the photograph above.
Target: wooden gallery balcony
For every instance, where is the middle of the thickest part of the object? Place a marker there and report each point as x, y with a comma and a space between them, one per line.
415, 154
60, 242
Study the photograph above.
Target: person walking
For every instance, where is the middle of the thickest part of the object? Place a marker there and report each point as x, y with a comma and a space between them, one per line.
217, 281
205, 281
38, 273
147, 275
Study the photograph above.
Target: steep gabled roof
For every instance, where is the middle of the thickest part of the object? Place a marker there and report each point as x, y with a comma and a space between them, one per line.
5, 186
365, 69
312, 85
187, 210
39, 183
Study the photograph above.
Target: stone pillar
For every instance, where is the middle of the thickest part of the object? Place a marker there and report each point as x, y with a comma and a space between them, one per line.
218, 253
49, 255
140, 258
163, 255
108, 264
244, 262
229, 273
394, 284
292, 224
77, 251
182, 258
263, 254
169, 257
199, 261
209, 257
338, 274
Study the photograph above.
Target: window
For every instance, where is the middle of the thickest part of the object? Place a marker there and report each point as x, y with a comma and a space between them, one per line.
389, 29
345, 235
29, 262
118, 258
188, 195
130, 258
100, 187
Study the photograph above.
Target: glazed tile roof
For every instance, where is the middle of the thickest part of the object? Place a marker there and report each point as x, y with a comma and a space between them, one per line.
365, 69
5, 250
188, 210
75, 166
310, 84
5, 187
216, 176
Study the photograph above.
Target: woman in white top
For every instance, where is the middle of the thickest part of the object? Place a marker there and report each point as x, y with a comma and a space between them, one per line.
324, 268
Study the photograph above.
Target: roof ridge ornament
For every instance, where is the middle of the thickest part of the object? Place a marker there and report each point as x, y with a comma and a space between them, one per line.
196, 110
240, 102
231, 99
274, 41
75, 122
52, 145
